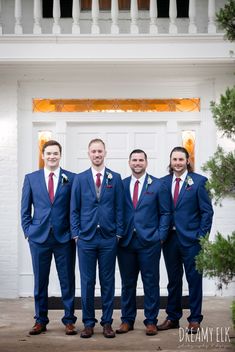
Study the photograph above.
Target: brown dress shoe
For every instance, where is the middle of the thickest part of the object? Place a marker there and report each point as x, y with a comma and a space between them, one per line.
108, 331
151, 329
168, 324
70, 329
37, 329
193, 327
124, 328
87, 332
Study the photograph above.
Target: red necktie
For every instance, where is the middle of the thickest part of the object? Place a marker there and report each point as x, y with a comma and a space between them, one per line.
135, 193
177, 188
98, 180
51, 187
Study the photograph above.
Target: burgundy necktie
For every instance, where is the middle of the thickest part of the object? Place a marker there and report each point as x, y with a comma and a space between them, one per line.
135, 193
98, 180
51, 187
177, 188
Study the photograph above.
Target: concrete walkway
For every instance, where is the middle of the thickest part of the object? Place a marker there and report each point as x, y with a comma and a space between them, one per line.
16, 318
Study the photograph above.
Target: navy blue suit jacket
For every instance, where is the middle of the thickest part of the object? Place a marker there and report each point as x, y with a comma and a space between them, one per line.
152, 216
36, 224
193, 213
88, 212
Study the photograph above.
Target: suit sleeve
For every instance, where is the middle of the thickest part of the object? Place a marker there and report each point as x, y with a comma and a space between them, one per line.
26, 206
206, 210
75, 205
119, 208
165, 211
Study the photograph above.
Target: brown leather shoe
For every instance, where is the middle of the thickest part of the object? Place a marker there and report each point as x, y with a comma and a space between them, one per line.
168, 324
108, 331
70, 329
151, 329
193, 327
124, 328
87, 332
37, 329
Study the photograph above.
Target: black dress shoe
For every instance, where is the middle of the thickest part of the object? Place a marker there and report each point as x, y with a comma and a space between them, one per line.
168, 324
108, 331
124, 328
37, 329
87, 332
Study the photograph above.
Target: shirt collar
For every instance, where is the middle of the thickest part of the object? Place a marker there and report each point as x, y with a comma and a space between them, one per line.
56, 172
95, 172
141, 179
182, 177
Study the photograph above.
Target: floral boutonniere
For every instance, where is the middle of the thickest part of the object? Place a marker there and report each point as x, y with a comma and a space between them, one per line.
149, 181
109, 177
188, 182
64, 179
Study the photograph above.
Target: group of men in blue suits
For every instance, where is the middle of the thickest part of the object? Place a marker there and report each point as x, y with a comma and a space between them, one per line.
107, 218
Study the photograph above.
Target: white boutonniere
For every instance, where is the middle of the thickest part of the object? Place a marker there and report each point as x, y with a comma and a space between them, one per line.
149, 181
189, 182
64, 179
109, 177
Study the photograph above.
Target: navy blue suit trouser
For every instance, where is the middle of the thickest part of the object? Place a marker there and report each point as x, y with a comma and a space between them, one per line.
64, 255
102, 251
133, 259
176, 258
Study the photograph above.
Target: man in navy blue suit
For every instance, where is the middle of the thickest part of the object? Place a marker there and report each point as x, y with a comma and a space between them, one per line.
147, 221
97, 223
45, 208
192, 219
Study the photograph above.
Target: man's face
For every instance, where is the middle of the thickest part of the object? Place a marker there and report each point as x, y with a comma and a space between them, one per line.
51, 157
179, 163
138, 164
97, 153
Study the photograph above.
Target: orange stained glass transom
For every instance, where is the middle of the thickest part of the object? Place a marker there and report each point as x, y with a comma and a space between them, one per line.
117, 105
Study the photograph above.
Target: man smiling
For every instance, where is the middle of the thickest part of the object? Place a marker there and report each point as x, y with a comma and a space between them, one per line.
192, 219
147, 220
97, 223
45, 222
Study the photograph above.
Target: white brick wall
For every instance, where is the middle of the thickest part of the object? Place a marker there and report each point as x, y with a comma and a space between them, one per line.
8, 189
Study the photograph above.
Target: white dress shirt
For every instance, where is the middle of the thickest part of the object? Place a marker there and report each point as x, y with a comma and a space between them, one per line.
132, 184
182, 179
95, 172
55, 177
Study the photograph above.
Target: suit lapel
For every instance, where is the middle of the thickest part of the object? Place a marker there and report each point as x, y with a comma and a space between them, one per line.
143, 191
59, 185
182, 191
43, 185
127, 190
103, 185
91, 183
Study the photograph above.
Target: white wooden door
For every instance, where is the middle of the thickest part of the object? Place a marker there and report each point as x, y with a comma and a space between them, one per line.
120, 140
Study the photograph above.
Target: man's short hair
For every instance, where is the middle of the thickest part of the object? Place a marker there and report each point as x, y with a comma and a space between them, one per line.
96, 140
138, 151
51, 142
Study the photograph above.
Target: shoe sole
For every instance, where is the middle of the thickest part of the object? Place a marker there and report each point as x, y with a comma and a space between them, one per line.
37, 333
124, 332
174, 327
109, 337
71, 333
